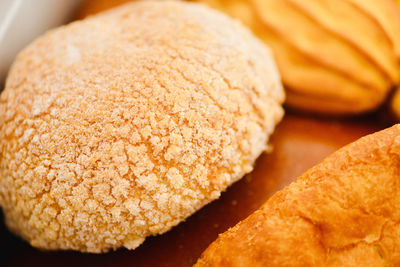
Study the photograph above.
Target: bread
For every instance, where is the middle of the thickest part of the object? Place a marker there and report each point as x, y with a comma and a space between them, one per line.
122, 125
342, 212
347, 49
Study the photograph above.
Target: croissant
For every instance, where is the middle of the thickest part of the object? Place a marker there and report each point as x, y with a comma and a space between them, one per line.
342, 212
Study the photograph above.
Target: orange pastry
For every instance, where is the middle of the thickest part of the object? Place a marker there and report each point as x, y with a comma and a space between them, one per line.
335, 56
342, 212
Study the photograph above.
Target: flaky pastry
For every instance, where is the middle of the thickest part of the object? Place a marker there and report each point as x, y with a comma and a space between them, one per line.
342, 212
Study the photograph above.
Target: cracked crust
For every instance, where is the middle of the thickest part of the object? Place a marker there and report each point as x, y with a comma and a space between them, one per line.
342, 212
122, 125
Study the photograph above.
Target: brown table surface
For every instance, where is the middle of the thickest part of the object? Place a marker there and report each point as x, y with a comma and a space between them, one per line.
299, 143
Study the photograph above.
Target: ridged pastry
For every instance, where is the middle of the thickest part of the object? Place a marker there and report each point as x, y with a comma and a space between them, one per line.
342, 212
373, 42
387, 14
354, 44
351, 98
317, 43
122, 125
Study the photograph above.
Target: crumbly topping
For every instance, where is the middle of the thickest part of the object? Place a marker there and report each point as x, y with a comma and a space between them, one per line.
120, 126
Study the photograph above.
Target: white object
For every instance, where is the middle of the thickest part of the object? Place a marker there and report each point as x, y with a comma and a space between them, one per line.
21, 21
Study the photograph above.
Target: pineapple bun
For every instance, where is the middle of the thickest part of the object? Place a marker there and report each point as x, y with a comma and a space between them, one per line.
120, 126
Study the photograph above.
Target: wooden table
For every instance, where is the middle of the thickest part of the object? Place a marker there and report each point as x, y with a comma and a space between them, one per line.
299, 143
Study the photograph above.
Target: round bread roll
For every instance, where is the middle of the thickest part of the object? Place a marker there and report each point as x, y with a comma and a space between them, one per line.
122, 125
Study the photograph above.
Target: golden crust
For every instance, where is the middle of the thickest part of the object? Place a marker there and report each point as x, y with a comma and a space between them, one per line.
120, 126
342, 212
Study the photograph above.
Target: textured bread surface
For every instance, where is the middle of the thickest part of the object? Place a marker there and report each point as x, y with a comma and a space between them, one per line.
342, 212
122, 125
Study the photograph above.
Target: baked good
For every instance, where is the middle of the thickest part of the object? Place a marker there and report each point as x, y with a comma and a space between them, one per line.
387, 14
122, 125
342, 212
91, 7
335, 56
308, 94
395, 105
395, 100
357, 29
